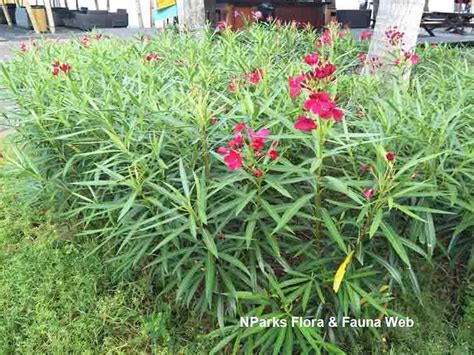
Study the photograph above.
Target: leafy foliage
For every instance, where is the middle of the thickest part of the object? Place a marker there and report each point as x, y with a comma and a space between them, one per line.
125, 142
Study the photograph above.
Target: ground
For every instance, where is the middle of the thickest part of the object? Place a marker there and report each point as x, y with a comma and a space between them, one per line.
10, 37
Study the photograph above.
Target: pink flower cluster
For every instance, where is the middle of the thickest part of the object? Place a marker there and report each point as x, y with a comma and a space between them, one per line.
394, 36
247, 138
319, 102
86, 40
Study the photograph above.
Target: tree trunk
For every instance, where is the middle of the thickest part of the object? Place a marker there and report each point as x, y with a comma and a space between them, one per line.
405, 15
139, 13
427, 6
191, 14
152, 10
108, 5
96, 4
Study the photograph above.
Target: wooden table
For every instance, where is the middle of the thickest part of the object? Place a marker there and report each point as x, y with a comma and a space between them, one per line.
313, 13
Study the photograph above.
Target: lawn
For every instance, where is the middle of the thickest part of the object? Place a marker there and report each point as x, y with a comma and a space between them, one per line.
181, 182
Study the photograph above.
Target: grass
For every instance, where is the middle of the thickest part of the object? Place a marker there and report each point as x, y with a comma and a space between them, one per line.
55, 299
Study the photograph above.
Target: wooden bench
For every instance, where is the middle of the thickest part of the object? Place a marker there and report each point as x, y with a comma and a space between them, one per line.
453, 21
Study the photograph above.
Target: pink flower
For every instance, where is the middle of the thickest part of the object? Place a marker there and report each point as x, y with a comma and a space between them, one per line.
326, 37
320, 104
65, 68
23, 47
295, 85
362, 57
322, 72
221, 25
257, 15
254, 76
237, 141
232, 87
258, 139
236, 13
222, 151
151, 57
240, 127
368, 193
312, 59
305, 123
414, 59
258, 173
390, 156
366, 35
365, 169
233, 160
273, 154
97, 37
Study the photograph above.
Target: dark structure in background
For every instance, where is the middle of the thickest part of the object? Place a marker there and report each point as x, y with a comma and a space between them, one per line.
234, 12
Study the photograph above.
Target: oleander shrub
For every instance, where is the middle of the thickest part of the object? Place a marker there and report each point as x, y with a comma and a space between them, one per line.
255, 173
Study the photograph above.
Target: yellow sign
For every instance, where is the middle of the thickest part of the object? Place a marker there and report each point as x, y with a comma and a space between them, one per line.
163, 4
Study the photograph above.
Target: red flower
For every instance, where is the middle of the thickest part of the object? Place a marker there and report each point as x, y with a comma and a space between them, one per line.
295, 85
273, 154
326, 38
233, 160
237, 141
56, 64
222, 151
254, 76
366, 35
305, 123
414, 59
65, 68
232, 87
98, 37
365, 169
258, 139
23, 47
390, 156
362, 57
324, 72
240, 127
368, 193
312, 59
55, 71
258, 173
320, 104
150, 57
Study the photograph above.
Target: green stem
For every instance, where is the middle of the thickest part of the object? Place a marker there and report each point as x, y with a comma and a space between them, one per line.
319, 171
